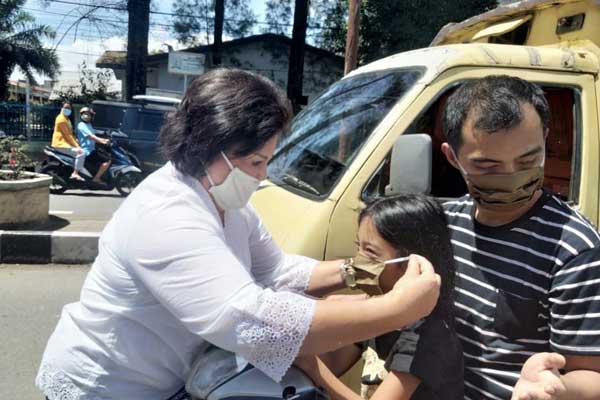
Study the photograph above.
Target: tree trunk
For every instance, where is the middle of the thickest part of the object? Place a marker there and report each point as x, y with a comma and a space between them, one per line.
137, 47
351, 57
218, 33
296, 64
4, 76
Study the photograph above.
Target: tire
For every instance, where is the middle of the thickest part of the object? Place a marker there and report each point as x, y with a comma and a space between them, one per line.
125, 183
56, 171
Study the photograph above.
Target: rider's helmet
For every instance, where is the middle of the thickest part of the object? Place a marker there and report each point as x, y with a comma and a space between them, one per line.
88, 110
90, 114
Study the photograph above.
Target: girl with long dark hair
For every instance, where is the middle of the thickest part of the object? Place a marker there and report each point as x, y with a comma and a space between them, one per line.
424, 360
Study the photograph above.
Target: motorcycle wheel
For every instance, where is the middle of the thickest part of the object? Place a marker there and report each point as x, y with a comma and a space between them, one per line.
58, 185
125, 183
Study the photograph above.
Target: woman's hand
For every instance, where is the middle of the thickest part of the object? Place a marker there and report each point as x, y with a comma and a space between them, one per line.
347, 297
418, 288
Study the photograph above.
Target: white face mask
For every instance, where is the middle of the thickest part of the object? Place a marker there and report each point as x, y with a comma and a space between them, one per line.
86, 118
66, 111
236, 189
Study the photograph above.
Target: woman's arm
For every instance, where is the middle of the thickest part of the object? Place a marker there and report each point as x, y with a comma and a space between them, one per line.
397, 386
215, 297
97, 139
322, 376
272, 268
88, 132
326, 278
413, 297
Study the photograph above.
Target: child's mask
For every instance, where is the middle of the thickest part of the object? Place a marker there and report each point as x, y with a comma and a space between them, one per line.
368, 270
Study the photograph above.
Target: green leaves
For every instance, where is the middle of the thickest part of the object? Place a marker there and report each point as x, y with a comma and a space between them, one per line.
389, 27
93, 85
21, 44
196, 19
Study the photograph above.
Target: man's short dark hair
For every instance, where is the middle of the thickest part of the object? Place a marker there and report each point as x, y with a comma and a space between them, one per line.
223, 110
495, 104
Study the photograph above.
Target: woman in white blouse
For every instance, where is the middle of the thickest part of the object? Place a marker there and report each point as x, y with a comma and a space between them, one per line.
185, 261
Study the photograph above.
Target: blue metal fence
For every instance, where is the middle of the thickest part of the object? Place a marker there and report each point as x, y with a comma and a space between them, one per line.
14, 123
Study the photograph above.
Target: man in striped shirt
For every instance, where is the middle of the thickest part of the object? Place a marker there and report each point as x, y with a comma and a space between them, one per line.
528, 285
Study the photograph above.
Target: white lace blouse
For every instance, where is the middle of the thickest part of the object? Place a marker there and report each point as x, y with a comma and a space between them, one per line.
170, 277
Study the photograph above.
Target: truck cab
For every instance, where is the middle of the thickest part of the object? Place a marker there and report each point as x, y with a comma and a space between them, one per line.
378, 131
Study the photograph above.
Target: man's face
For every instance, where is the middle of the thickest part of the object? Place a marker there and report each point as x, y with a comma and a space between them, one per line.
502, 152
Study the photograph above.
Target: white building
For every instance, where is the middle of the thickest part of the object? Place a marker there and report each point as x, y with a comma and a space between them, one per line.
267, 54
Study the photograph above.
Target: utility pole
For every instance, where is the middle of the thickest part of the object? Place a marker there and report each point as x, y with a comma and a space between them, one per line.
351, 56
350, 63
218, 32
296, 63
137, 47
28, 108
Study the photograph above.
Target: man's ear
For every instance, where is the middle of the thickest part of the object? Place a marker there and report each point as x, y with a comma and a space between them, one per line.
450, 156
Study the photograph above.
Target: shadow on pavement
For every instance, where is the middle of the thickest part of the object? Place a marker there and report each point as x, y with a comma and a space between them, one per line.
52, 224
90, 194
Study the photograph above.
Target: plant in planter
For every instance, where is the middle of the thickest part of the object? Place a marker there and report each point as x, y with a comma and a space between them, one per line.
24, 195
13, 159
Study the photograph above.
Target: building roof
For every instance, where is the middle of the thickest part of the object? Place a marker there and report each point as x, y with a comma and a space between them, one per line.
117, 59
21, 84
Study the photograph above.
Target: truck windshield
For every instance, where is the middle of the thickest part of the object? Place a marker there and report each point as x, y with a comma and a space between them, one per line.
329, 133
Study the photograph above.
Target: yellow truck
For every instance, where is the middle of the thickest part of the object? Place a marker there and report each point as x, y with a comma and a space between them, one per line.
378, 130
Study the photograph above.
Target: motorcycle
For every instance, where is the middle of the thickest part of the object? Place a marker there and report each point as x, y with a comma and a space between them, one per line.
124, 173
219, 375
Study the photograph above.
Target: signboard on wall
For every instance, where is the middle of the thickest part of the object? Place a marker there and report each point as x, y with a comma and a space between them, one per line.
185, 63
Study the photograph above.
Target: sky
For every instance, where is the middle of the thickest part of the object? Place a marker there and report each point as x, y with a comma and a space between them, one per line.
86, 44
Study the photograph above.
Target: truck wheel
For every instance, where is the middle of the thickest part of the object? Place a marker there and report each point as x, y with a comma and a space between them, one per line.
58, 185
126, 182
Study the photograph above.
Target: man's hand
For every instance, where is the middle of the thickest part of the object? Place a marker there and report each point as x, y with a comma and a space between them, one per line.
540, 379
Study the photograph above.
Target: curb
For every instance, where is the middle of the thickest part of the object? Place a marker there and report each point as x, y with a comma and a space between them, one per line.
42, 247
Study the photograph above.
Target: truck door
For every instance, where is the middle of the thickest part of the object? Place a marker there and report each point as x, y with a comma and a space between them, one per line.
572, 148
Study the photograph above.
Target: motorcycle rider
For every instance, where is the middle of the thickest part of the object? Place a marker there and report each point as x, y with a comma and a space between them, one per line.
95, 160
65, 142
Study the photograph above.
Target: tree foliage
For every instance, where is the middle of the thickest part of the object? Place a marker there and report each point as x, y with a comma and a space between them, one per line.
21, 45
388, 27
324, 16
94, 84
196, 18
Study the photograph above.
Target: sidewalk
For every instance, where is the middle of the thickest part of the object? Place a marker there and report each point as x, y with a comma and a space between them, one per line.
68, 237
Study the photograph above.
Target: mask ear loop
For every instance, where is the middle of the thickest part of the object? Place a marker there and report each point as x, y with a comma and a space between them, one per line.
397, 260
212, 183
462, 170
229, 164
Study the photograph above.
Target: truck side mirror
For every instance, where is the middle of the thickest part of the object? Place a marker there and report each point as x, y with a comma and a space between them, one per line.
410, 167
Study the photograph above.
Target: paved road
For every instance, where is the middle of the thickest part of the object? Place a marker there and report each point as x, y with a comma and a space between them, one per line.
31, 298
86, 204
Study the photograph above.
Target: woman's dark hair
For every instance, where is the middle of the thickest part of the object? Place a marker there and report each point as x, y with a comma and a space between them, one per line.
65, 103
416, 224
223, 110
495, 105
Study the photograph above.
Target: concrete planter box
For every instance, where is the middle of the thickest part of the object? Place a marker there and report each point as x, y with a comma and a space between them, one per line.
25, 201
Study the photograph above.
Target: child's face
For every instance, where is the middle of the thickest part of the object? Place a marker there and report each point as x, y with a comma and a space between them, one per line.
371, 244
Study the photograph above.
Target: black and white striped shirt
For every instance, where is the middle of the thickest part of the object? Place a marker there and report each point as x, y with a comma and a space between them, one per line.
526, 287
